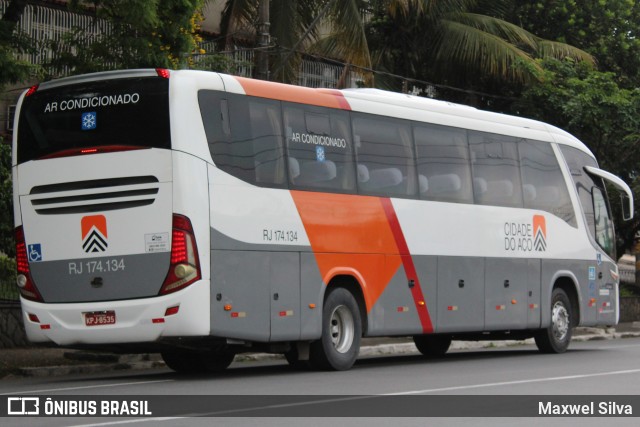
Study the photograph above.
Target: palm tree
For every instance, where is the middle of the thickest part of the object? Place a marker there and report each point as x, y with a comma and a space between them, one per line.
454, 40
309, 26
422, 39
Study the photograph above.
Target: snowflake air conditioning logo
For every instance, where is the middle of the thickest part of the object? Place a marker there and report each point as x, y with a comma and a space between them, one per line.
94, 233
89, 120
539, 233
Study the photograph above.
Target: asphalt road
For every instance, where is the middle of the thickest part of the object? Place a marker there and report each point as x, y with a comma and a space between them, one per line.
598, 368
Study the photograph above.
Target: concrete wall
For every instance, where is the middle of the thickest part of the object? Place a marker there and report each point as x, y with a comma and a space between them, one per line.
11, 329
629, 309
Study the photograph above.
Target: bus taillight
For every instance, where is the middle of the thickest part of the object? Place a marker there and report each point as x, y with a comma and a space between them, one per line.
26, 286
32, 90
163, 72
185, 268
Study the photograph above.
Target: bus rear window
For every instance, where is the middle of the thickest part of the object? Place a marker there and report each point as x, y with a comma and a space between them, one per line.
94, 117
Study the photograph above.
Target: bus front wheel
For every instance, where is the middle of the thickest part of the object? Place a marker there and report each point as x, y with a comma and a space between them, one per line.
339, 345
557, 336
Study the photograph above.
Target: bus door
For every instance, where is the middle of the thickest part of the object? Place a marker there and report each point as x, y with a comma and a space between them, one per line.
604, 271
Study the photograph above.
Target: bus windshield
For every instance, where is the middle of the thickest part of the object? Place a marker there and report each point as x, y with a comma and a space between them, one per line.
94, 117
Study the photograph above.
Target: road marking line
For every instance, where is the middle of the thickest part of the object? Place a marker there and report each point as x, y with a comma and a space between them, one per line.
139, 420
610, 347
536, 380
345, 398
83, 387
223, 413
227, 412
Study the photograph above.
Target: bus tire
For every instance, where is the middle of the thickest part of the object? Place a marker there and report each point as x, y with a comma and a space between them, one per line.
293, 359
339, 345
190, 362
217, 361
557, 336
183, 362
432, 346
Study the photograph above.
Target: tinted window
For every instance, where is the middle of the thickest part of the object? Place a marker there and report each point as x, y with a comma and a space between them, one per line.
604, 233
444, 171
543, 185
384, 153
122, 112
496, 173
244, 136
576, 161
319, 148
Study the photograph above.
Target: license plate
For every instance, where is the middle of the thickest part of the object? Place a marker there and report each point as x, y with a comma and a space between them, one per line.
100, 318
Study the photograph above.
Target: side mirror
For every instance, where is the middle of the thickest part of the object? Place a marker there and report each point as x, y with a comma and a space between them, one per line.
627, 194
627, 207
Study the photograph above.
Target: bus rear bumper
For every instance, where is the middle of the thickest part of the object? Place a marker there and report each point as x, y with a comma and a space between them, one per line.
182, 314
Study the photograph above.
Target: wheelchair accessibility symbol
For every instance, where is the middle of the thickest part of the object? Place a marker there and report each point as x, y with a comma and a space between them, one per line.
35, 252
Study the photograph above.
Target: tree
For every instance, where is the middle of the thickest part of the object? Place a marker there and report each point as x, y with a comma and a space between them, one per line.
134, 34
463, 43
297, 26
7, 244
608, 30
12, 42
592, 106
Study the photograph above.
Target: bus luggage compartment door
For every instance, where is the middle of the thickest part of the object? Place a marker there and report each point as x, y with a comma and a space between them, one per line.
460, 294
507, 282
255, 295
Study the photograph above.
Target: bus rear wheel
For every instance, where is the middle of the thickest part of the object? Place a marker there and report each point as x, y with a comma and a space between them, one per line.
190, 362
339, 345
293, 358
557, 336
432, 346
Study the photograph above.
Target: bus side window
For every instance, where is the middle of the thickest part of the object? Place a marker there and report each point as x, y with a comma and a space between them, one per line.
266, 134
244, 136
319, 148
385, 152
543, 184
444, 169
495, 162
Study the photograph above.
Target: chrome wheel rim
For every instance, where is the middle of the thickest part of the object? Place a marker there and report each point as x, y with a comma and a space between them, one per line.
560, 321
342, 329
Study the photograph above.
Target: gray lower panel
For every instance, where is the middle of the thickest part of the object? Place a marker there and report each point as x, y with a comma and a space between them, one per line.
284, 275
311, 296
396, 312
255, 295
460, 294
508, 284
101, 279
220, 241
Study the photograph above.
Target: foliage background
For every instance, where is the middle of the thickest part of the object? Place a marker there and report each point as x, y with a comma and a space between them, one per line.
573, 63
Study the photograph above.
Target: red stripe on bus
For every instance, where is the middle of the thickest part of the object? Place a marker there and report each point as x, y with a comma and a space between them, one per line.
409, 267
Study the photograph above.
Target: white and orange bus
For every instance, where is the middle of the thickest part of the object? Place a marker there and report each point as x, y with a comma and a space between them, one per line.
201, 215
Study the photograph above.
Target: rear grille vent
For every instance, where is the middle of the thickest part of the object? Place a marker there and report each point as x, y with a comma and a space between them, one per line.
95, 195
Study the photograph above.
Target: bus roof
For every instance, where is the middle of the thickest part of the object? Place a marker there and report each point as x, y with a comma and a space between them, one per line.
377, 101
386, 98
366, 100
